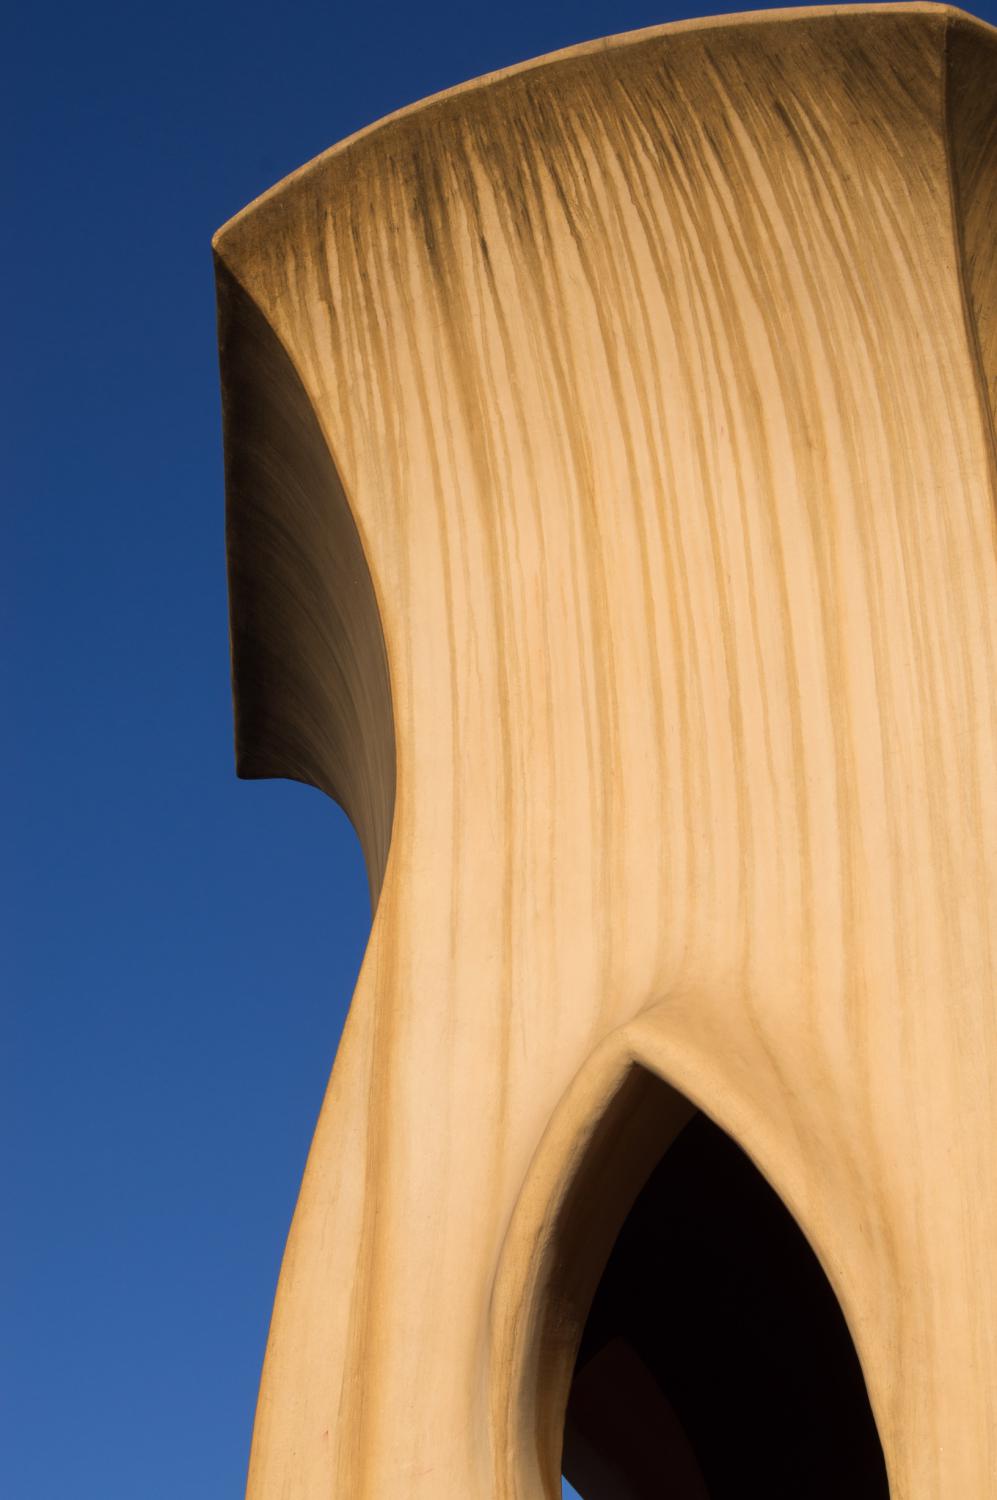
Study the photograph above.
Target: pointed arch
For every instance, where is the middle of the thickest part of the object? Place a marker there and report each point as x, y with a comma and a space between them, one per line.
644, 1219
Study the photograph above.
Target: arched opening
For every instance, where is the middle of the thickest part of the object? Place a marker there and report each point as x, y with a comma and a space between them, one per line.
715, 1361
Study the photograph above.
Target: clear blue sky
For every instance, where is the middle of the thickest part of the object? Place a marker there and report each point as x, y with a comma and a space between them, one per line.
180, 947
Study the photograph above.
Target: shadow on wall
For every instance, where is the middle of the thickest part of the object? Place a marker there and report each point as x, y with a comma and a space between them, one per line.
716, 1361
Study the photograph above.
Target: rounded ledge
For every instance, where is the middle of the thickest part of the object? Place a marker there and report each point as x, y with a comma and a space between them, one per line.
602, 44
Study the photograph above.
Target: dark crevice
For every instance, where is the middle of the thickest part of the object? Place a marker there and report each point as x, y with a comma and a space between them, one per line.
309, 665
716, 1362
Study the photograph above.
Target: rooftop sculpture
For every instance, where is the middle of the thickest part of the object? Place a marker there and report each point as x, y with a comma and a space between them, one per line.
611, 483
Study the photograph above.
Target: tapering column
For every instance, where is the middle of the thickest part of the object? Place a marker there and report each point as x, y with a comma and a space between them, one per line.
611, 480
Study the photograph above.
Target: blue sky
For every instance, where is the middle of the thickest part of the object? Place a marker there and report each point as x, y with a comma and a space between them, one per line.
181, 946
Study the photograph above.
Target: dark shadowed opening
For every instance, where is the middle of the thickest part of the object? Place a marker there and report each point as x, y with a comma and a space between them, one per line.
715, 1360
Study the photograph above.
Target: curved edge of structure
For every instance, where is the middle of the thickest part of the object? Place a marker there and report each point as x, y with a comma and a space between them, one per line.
762, 17
309, 668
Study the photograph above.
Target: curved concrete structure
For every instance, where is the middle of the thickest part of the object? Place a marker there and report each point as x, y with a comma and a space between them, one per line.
611, 472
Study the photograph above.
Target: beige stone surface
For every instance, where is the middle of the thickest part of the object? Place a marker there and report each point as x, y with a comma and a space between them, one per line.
611, 477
